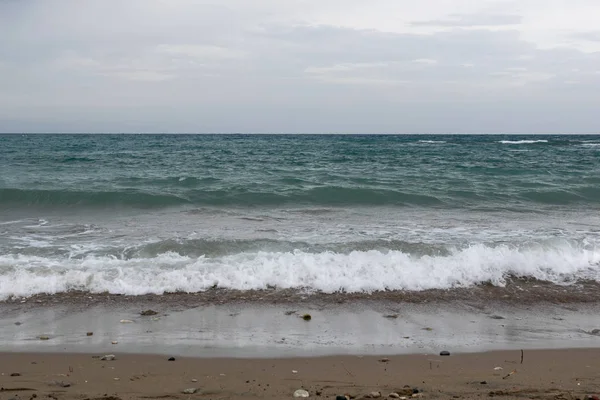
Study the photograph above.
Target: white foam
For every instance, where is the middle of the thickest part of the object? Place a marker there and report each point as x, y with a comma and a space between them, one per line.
522, 141
432, 141
328, 272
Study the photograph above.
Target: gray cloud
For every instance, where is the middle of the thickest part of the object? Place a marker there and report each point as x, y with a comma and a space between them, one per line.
472, 20
129, 66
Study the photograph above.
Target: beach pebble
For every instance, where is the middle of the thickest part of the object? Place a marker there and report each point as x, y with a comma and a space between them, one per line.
307, 317
445, 353
18, 323
300, 393
90, 334
341, 397
148, 313
384, 360
498, 369
189, 391
294, 371
596, 332
44, 338
117, 379
171, 359
15, 374
114, 342
108, 357
394, 396
375, 395
194, 380
126, 321
62, 384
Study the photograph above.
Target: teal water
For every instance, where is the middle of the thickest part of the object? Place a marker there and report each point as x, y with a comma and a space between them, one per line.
153, 213
482, 172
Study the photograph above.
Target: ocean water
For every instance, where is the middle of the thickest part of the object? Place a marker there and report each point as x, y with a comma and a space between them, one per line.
138, 214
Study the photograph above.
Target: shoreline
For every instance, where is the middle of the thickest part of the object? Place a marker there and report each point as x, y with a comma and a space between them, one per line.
544, 374
256, 330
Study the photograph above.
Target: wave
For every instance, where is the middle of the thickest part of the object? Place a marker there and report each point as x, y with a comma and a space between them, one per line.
327, 272
432, 141
326, 195
522, 141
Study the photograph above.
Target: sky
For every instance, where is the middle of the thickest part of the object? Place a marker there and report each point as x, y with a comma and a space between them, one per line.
300, 66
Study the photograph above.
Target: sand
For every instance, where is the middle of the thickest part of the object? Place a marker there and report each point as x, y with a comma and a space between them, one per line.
544, 374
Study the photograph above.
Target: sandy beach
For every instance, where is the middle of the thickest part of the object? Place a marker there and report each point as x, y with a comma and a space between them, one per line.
545, 374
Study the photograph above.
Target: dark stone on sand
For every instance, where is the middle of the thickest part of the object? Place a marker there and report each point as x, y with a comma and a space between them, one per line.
15, 374
90, 334
341, 398
62, 384
497, 317
18, 323
307, 317
483, 382
148, 313
596, 332
444, 353
171, 358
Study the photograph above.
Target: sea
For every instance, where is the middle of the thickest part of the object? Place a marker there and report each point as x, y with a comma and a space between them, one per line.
155, 214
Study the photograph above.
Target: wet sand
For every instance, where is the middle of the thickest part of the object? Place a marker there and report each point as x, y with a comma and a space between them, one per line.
545, 374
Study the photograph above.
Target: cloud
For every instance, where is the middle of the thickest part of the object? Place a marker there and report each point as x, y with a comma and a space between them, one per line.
473, 20
299, 66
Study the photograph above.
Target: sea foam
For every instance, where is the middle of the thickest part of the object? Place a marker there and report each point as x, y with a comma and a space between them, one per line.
358, 271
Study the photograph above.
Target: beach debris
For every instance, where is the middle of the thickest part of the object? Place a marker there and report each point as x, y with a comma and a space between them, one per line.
498, 369
496, 316
89, 334
301, 393
126, 321
394, 395
171, 359
307, 317
114, 342
108, 357
148, 313
189, 391
595, 332
194, 380
62, 384
43, 337
384, 360
522, 355
391, 316
15, 374
510, 374
483, 383
117, 379
428, 329
374, 395
445, 353
294, 371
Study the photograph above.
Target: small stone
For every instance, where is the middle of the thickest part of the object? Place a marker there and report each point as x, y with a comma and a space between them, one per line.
15, 374
428, 329
189, 391
341, 398
498, 369
294, 371
44, 337
126, 321
301, 393
391, 316
117, 379
445, 353
171, 359
375, 395
148, 313
394, 396
62, 384
416, 395
595, 332
108, 357
18, 323
307, 317
194, 380
90, 334
483, 382
114, 342
497, 317
384, 360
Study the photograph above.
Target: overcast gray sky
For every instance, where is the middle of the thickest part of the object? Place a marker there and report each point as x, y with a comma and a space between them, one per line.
356, 66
